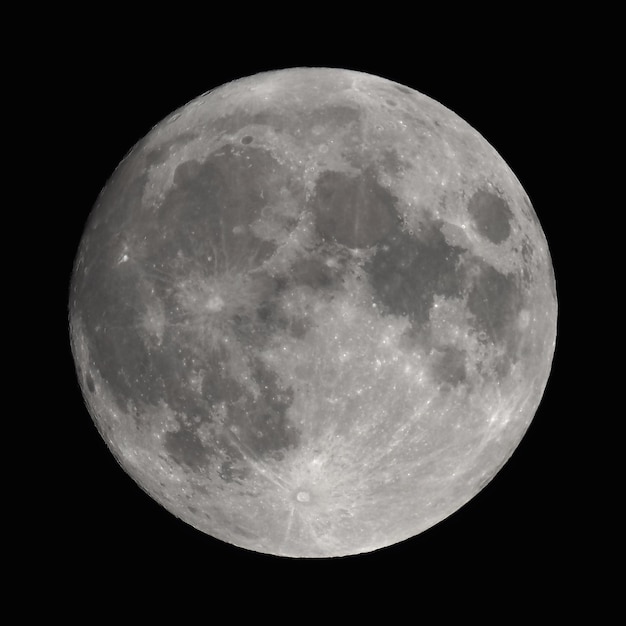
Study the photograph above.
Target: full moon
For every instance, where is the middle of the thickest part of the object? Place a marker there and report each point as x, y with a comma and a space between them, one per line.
313, 313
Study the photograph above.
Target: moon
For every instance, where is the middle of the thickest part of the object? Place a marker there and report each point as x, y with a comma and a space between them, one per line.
313, 313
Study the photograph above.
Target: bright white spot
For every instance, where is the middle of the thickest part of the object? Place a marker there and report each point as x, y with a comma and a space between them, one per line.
214, 304
303, 496
524, 319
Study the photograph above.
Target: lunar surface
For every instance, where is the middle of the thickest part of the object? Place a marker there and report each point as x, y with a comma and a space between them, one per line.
313, 312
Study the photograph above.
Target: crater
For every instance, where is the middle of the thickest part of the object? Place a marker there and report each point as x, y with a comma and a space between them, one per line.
303, 496
491, 215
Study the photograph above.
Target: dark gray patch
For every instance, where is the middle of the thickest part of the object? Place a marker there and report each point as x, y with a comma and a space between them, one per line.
449, 365
404, 89
217, 385
186, 449
313, 272
391, 103
116, 346
352, 210
247, 330
298, 327
247, 139
269, 314
273, 320
208, 211
491, 215
495, 300
192, 509
503, 364
408, 271
391, 162
89, 382
261, 423
197, 219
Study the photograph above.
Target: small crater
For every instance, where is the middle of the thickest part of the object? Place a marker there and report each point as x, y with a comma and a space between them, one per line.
247, 139
303, 496
391, 103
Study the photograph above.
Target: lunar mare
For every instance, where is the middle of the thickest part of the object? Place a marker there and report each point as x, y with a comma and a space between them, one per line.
313, 312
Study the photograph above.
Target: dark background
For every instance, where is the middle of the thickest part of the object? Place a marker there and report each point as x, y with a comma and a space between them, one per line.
526, 533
